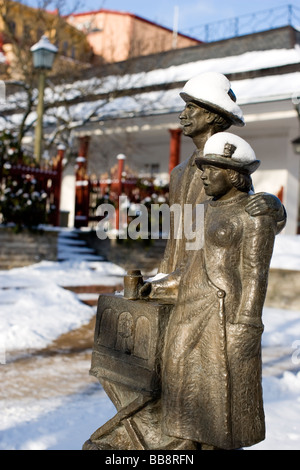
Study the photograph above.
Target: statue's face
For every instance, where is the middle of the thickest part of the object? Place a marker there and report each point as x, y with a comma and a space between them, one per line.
216, 181
194, 119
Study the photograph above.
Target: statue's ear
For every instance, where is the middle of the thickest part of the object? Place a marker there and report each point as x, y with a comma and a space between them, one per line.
210, 117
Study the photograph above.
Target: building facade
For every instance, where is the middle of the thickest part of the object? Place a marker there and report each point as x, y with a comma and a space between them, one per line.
132, 108
264, 69
117, 36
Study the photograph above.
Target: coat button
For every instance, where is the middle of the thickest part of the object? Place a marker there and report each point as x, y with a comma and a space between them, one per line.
221, 294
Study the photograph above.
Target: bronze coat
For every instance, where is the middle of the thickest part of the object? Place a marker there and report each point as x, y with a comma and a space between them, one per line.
211, 378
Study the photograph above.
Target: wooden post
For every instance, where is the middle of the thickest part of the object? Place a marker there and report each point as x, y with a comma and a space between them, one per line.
175, 144
121, 158
57, 188
82, 185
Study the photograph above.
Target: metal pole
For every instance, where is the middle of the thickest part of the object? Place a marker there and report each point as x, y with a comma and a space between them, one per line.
39, 123
175, 27
290, 15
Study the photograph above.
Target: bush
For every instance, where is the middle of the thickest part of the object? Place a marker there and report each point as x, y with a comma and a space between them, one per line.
22, 201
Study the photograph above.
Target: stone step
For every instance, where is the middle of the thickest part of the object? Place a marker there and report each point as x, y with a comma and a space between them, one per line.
18, 255
25, 253
81, 258
16, 263
89, 299
89, 295
95, 289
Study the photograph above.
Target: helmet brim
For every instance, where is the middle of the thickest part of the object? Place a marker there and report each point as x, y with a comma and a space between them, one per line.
227, 163
233, 118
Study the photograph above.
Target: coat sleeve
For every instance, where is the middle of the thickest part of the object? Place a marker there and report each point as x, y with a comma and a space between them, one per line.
256, 252
281, 220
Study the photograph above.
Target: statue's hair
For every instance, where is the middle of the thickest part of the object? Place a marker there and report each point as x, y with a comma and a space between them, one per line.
219, 122
241, 181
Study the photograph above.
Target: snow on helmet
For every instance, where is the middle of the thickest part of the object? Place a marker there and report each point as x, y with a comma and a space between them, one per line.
227, 150
213, 90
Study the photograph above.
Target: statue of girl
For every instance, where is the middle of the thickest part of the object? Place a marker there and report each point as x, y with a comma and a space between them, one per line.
211, 372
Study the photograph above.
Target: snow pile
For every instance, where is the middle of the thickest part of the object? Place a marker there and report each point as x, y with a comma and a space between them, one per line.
64, 274
38, 316
36, 309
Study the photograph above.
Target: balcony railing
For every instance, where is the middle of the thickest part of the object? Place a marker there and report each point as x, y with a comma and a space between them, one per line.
247, 24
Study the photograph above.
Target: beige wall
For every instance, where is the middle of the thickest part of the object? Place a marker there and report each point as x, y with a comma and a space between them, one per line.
116, 36
108, 34
149, 38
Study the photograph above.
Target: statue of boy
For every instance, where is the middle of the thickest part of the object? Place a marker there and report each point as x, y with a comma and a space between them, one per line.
211, 377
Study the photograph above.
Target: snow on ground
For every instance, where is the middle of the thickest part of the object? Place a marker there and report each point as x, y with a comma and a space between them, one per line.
286, 253
35, 310
59, 423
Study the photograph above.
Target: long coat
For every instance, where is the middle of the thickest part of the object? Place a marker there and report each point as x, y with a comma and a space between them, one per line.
211, 377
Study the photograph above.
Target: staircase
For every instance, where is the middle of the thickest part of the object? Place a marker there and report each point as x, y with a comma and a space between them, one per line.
73, 249
129, 254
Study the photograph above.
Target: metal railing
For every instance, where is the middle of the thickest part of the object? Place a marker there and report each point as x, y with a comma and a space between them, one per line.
247, 24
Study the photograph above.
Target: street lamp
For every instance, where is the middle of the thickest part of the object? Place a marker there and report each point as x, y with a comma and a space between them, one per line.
43, 53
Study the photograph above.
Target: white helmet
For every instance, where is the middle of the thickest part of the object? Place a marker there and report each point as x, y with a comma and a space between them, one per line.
227, 150
213, 91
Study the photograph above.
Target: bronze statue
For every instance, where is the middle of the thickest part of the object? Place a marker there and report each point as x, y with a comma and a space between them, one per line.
210, 108
211, 379
182, 396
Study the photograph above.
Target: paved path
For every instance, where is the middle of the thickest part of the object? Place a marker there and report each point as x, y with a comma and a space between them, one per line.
63, 367
60, 369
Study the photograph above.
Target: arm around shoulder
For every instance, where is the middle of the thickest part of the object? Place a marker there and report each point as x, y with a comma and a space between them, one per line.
262, 204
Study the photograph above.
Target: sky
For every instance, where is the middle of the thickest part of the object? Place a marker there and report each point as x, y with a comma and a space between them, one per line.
192, 13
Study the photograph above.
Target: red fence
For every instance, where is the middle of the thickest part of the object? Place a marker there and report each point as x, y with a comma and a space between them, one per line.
91, 193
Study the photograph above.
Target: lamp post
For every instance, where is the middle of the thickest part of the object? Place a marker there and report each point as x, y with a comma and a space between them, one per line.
43, 53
